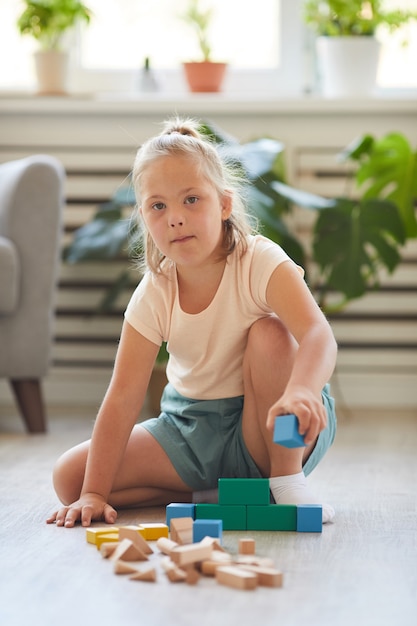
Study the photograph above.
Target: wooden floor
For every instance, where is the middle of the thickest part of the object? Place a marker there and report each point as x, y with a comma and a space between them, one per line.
362, 570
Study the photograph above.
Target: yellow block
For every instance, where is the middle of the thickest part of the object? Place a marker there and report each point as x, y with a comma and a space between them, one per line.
153, 531
94, 532
106, 538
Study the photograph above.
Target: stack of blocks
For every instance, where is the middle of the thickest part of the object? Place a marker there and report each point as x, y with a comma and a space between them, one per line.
244, 504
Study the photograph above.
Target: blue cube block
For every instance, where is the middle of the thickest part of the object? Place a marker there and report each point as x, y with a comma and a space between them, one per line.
309, 518
207, 528
286, 432
179, 509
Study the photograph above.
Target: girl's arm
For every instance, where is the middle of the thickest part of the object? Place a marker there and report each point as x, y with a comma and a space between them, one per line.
117, 415
291, 299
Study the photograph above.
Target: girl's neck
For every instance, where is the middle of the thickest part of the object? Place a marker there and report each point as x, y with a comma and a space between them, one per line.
198, 287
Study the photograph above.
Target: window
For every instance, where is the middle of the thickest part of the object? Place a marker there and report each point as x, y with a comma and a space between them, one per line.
265, 43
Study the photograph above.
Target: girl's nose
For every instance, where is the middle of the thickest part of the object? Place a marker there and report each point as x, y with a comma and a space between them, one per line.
175, 218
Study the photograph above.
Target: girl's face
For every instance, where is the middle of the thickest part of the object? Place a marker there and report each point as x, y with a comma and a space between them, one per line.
183, 212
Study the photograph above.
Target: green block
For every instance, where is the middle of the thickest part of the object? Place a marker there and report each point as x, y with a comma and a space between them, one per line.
233, 517
272, 517
244, 491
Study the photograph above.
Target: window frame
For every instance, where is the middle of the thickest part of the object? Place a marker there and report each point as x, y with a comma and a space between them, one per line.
289, 78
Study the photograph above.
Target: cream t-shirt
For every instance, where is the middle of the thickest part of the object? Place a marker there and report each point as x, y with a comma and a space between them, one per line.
206, 349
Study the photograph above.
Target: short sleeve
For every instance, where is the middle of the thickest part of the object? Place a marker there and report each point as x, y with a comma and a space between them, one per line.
147, 310
266, 257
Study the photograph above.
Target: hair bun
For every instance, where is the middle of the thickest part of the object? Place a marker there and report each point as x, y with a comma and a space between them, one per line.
187, 127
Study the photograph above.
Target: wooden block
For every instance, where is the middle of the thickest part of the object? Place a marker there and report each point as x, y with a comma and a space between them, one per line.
233, 516
267, 576
252, 559
183, 555
107, 549
207, 528
309, 518
192, 575
122, 567
234, 576
246, 546
148, 575
95, 531
272, 517
182, 530
173, 572
179, 509
152, 532
286, 432
128, 551
244, 491
166, 545
133, 533
111, 537
213, 542
217, 559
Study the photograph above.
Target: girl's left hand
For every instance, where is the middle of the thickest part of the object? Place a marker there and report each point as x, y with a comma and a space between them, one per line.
307, 407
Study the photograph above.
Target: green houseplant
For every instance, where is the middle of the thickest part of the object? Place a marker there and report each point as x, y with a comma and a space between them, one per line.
205, 74
347, 49
353, 237
48, 21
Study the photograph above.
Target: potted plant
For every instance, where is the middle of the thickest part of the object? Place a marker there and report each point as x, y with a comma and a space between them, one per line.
47, 21
204, 75
347, 49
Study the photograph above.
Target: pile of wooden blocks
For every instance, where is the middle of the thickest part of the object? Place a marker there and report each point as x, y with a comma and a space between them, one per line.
181, 558
190, 543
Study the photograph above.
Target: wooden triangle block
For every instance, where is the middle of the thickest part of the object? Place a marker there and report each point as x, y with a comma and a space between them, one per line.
121, 567
128, 551
134, 535
148, 575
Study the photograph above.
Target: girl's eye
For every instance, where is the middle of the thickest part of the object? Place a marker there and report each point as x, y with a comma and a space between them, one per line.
191, 200
158, 206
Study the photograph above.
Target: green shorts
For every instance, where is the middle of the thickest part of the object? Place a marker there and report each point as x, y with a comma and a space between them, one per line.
204, 439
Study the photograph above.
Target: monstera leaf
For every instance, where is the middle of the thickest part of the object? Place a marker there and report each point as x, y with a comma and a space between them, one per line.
352, 241
387, 168
104, 237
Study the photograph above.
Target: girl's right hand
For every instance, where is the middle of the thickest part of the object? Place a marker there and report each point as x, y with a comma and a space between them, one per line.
89, 507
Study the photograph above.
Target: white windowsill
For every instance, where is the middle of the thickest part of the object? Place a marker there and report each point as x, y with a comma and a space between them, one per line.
226, 103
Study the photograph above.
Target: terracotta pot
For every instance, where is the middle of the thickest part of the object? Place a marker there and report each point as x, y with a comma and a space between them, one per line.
205, 76
51, 71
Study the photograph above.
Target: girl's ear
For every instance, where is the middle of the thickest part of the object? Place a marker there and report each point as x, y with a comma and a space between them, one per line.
227, 204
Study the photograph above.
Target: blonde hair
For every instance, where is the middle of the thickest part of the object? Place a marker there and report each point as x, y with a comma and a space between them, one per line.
182, 137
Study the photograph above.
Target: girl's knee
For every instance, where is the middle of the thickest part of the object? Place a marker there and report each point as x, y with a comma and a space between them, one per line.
68, 474
268, 337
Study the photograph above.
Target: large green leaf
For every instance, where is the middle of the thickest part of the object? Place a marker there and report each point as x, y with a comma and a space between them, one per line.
105, 237
388, 169
353, 240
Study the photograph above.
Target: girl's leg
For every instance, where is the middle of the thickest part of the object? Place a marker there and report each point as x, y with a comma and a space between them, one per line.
146, 476
268, 363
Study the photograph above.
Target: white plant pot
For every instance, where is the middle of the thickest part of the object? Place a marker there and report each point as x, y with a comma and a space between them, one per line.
347, 65
52, 71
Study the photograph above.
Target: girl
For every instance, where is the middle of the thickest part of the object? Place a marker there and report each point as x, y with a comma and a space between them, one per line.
246, 339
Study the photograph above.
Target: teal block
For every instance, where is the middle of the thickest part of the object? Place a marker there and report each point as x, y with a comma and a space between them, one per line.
179, 509
207, 528
244, 491
233, 516
309, 518
286, 432
272, 517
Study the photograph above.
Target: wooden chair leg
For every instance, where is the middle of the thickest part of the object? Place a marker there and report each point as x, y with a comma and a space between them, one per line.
28, 395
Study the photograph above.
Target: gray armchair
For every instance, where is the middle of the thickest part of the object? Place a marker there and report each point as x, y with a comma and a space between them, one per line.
31, 203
